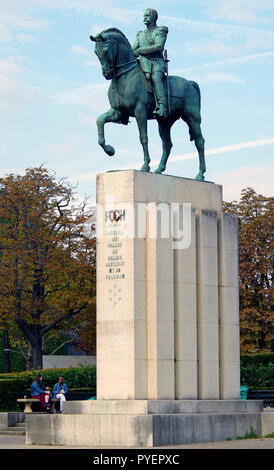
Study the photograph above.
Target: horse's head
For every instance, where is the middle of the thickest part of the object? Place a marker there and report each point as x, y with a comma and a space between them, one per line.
106, 51
112, 49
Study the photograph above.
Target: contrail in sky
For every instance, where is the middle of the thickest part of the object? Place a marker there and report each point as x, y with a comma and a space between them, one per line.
189, 156
218, 150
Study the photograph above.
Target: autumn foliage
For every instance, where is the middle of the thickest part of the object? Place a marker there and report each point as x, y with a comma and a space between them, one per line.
255, 214
47, 264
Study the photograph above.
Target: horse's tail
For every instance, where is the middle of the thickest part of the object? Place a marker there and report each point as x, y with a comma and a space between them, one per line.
197, 88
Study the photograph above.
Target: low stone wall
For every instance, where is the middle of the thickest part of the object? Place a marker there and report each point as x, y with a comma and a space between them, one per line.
268, 422
138, 430
10, 419
50, 362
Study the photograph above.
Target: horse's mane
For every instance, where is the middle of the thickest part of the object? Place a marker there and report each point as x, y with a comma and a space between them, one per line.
117, 34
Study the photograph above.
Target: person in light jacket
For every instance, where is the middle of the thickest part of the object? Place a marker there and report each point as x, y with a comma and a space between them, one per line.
60, 390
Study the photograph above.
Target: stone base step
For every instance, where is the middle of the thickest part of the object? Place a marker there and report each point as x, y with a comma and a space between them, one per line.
152, 407
13, 432
19, 429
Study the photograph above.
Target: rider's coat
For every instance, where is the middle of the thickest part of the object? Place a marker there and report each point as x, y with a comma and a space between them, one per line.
151, 45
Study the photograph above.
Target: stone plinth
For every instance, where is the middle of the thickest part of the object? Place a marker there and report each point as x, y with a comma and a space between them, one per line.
167, 290
145, 423
160, 407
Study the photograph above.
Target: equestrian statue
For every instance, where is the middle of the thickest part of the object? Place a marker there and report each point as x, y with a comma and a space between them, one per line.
141, 88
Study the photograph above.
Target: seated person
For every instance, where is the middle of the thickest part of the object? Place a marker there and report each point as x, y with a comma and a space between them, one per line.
60, 390
40, 392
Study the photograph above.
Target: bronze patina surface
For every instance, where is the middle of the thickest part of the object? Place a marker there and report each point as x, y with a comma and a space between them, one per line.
141, 88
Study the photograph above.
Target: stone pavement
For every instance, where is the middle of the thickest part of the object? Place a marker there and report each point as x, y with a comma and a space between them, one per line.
18, 442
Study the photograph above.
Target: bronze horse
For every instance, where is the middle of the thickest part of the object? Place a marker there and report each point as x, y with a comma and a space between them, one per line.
130, 95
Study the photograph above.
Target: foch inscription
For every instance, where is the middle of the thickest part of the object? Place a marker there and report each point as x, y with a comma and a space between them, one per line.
114, 259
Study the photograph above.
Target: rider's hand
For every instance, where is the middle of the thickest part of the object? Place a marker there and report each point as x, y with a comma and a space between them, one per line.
136, 52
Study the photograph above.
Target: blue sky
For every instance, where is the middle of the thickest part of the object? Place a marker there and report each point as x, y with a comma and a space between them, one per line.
52, 88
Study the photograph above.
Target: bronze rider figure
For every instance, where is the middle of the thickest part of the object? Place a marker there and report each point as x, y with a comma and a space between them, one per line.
149, 47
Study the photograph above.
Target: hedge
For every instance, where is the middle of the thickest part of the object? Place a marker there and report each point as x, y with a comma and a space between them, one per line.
258, 377
10, 390
16, 385
257, 371
17, 361
257, 359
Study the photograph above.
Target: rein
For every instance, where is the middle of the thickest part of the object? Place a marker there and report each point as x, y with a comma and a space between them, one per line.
115, 67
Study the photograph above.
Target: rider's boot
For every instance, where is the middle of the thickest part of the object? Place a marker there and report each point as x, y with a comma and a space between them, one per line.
161, 107
160, 111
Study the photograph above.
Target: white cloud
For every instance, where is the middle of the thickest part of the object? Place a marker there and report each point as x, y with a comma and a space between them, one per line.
217, 77
223, 49
239, 11
107, 8
94, 96
266, 58
86, 119
233, 44
14, 91
219, 30
11, 65
67, 145
91, 63
83, 52
80, 50
98, 28
260, 178
25, 38
232, 10
12, 22
215, 48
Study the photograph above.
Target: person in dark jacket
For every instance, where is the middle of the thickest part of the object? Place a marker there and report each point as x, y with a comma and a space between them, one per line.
42, 393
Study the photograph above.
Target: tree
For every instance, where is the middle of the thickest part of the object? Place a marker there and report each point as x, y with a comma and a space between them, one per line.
255, 214
47, 271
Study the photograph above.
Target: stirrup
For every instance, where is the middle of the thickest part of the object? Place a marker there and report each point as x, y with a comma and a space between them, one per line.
160, 112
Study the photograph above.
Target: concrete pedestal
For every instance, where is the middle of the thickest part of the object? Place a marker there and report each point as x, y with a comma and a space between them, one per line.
167, 289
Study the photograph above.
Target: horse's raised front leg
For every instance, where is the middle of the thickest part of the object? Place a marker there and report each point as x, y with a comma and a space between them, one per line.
112, 115
141, 118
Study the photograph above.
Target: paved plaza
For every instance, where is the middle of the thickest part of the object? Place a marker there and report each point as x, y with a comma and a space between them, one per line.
18, 442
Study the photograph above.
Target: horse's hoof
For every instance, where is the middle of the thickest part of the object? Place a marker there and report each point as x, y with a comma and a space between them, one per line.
159, 170
109, 150
200, 177
145, 168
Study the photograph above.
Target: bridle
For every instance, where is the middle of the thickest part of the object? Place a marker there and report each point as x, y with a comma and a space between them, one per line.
134, 62
114, 67
119, 74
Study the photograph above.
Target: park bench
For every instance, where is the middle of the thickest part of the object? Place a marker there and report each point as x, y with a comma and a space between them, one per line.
73, 395
28, 402
266, 395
